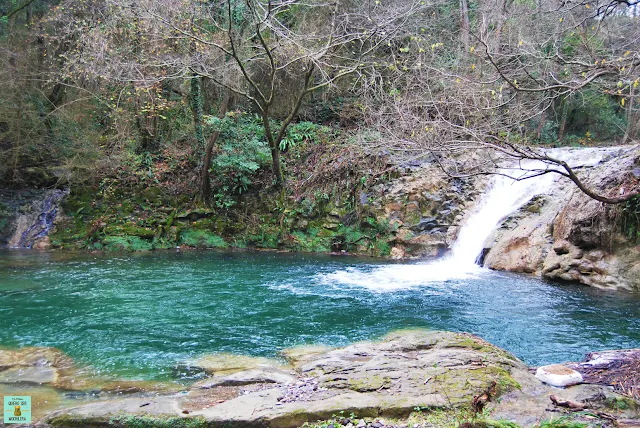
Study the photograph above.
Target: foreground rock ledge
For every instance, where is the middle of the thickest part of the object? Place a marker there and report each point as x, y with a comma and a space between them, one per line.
389, 379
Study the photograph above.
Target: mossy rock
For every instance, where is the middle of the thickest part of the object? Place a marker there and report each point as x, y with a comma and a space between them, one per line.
195, 214
152, 194
201, 239
126, 243
368, 384
326, 233
130, 229
202, 224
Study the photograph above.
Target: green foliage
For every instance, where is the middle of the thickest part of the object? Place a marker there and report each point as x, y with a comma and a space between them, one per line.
382, 247
310, 242
597, 114
563, 422
126, 243
243, 151
351, 236
303, 132
591, 116
5, 216
630, 218
202, 239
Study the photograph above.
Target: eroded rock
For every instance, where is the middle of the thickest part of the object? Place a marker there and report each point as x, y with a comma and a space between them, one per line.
373, 380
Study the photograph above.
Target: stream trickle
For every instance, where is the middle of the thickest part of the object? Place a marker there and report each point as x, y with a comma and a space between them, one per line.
38, 220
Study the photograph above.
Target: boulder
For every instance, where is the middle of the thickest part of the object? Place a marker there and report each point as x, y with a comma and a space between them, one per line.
567, 236
558, 375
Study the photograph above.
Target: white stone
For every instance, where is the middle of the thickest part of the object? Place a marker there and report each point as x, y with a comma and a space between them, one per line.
558, 375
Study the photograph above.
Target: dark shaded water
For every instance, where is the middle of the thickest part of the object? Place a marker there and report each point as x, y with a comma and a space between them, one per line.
138, 315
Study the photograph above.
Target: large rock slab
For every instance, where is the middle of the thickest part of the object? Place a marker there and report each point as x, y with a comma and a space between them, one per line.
388, 379
391, 377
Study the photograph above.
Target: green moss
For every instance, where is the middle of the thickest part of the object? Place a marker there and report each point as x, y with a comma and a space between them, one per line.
621, 403
201, 239
412, 218
69, 421
563, 422
157, 422
163, 243
463, 383
309, 243
129, 229
373, 383
126, 243
453, 418
480, 345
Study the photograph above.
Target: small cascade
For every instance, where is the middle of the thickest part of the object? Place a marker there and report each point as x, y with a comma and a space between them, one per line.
503, 196
35, 224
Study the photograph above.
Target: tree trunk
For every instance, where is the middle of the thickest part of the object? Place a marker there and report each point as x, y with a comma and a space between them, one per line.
55, 99
631, 118
543, 120
205, 185
273, 145
563, 118
464, 24
196, 108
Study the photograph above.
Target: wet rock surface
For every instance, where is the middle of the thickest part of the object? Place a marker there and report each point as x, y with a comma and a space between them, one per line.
29, 217
567, 236
420, 375
425, 208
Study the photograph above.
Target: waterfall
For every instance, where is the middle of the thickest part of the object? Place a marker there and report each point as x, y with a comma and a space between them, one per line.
504, 195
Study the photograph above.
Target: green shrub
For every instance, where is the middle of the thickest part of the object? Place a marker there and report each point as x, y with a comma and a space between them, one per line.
302, 132
243, 151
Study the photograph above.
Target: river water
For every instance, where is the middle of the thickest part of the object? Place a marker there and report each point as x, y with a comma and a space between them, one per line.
137, 316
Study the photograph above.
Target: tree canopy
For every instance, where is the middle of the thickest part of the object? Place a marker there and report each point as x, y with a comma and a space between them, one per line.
100, 88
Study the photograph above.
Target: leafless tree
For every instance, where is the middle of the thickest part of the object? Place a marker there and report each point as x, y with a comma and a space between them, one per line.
472, 114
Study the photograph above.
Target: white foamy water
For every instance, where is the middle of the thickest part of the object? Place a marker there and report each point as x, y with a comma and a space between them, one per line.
503, 196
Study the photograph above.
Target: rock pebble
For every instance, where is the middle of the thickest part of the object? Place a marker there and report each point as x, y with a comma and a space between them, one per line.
558, 375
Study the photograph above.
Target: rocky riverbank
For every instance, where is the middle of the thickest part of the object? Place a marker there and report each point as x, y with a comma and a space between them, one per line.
561, 235
409, 378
